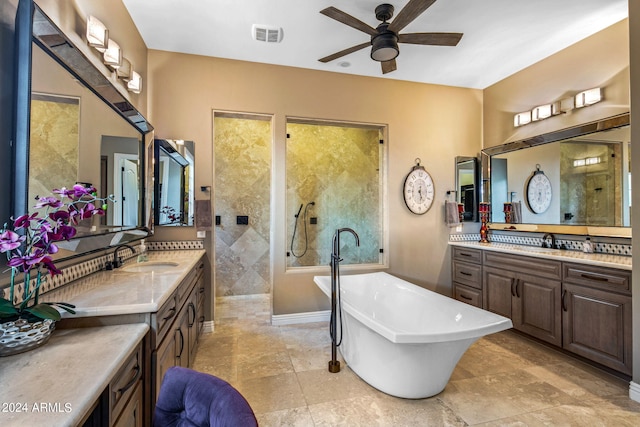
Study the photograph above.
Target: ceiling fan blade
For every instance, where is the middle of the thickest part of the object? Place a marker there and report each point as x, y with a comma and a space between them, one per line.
344, 52
411, 11
389, 66
349, 20
435, 39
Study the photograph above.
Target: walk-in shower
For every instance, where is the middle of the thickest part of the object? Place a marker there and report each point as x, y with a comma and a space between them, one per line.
334, 176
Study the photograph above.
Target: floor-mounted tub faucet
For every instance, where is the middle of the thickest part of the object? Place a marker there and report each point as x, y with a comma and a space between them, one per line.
334, 364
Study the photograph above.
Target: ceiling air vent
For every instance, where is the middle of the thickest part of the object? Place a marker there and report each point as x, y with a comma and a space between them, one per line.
265, 33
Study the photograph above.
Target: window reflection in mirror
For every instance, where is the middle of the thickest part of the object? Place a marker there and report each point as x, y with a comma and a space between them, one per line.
467, 187
174, 182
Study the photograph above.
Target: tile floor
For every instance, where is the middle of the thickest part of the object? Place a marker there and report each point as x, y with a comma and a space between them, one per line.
502, 380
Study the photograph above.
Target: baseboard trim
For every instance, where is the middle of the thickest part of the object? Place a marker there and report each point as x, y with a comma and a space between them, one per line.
208, 327
634, 391
296, 318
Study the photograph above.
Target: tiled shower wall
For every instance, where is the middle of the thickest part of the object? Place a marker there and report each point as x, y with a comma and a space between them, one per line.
242, 188
337, 168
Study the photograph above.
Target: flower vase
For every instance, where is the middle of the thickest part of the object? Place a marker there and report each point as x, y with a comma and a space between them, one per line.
20, 335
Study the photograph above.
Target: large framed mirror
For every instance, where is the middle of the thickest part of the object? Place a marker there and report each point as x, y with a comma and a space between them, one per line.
75, 126
173, 186
588, 169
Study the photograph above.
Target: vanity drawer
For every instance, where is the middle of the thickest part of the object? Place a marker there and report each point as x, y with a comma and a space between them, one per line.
467, 255
598, 277
468, 274
523, 264
469, 295
165, 317
125, 381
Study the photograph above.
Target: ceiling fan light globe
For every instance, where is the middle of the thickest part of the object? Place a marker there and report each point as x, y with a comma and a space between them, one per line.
384, 47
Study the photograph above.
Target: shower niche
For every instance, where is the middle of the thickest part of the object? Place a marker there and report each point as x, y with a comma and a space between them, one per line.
334, 179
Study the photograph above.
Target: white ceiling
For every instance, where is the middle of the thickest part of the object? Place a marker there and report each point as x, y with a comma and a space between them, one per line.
500, 38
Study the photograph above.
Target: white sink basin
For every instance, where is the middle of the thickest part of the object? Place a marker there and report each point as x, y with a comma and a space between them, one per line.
150, 267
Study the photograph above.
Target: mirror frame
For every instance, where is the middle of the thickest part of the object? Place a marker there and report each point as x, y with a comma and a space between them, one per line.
34, 26
608, 123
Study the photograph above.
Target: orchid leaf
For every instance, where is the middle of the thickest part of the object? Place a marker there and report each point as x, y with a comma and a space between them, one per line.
63, 305
44, 311
6, 308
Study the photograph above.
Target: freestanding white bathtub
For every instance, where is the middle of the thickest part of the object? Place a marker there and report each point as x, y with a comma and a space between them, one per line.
402, 339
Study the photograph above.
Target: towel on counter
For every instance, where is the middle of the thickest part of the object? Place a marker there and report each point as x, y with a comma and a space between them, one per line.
451, 215
516, 212
203, 215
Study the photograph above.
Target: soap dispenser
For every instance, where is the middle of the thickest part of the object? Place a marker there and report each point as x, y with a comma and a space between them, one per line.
143, 257
587, 246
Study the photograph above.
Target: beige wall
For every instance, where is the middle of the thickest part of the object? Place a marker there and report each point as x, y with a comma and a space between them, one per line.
601, 60
435, 123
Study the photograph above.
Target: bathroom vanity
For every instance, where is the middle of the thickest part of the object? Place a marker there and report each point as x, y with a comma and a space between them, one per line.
577, 301
132, 324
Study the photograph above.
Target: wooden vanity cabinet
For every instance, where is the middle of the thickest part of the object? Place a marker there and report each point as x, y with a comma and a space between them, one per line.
596, 313
176, 323
467, 275
527, 290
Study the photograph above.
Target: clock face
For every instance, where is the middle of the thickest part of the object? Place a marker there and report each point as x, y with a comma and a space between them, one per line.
539, 193
419, 191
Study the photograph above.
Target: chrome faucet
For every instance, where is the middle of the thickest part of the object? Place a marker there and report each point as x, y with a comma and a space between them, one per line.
334, 364
553, 241
117, 261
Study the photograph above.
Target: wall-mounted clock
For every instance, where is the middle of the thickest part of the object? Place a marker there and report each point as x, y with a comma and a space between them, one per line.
419, 190
539, 192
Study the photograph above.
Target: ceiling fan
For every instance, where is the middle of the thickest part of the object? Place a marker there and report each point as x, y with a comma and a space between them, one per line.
385, 37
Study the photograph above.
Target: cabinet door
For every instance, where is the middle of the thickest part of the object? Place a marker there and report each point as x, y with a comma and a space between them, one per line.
597, 325
182, 339
192, 317
165, 358
498, 290
132, 414
536, 308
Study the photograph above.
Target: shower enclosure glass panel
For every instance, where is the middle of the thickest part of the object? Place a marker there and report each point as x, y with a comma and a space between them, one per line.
334, 180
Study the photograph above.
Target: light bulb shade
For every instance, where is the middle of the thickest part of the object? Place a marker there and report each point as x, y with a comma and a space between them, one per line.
521, 119
135, 84
124, 70
588, 97
384, 47
541, 112
113, 55
97, 34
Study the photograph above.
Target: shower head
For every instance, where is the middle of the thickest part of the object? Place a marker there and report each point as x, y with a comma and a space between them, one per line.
312, 203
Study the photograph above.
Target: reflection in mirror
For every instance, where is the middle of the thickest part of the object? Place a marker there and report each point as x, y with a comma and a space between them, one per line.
174, 176
65, 115
590, 177
467, 187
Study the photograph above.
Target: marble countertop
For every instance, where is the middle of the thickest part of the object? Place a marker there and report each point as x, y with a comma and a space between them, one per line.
119, 291
598, 259
58, 383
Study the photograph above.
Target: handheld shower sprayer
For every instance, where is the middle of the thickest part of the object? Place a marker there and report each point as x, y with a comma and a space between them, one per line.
295, 229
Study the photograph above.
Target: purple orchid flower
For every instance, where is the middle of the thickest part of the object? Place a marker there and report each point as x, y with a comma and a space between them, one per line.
10, 240
48, 201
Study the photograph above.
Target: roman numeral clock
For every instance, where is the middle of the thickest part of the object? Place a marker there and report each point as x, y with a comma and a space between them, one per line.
539, 192
419, 190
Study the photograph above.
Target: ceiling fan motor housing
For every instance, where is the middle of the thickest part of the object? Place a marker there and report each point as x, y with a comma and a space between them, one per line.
384, 44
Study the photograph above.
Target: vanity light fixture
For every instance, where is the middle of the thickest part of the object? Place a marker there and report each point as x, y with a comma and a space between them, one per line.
588, 97
135, 84
124, 70
97, 34
113, 55
521, 119
541, 112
